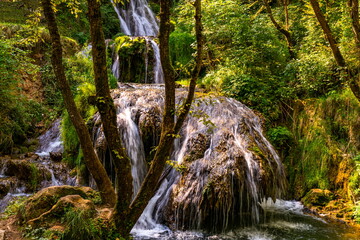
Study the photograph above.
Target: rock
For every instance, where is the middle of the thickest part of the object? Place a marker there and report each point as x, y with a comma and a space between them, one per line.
4, 188
66, 203
56, 156
317, 197
46, 198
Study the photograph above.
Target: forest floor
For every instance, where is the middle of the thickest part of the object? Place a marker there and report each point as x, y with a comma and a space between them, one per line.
9, 229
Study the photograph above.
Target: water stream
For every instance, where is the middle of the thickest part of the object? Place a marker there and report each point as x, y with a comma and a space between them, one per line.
209, 152
53, 173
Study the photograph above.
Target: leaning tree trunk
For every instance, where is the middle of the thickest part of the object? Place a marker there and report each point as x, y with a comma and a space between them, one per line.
105, 105
351, 75
169, 128
91, 160
289, 39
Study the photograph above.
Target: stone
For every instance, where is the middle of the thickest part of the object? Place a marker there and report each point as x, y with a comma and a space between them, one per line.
56, 156
317, 197
46, 198
66, 203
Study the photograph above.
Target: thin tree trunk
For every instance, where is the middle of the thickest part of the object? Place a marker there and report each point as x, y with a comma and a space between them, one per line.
91, 160
286, 10
148, 187
290, 41
329, 36
351, 75
169, 128
354, 14
105, 105
185, 108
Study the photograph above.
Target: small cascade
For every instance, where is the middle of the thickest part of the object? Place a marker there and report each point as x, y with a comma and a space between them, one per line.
33, 171
138, 21
50, 141
130, 136
225, 166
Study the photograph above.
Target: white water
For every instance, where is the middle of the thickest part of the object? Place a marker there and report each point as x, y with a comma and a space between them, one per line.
234, 129
137, 20
50, 141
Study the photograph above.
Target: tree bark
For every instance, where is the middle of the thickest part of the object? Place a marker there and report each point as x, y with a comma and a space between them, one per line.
329, 36
91, 160
290, 41
105, 105
354, 14
351, 75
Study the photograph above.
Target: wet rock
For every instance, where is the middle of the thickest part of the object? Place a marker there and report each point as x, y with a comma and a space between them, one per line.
4, 189
56, 156
317, 197
46, 198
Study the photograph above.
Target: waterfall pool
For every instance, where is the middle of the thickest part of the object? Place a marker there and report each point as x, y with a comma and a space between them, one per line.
283, 220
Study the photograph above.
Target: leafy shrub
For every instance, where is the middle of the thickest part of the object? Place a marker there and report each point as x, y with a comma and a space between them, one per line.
18, 115
280, 136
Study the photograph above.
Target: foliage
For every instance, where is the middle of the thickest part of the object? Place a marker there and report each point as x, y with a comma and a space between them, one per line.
80, 74
280, 136
325, 138
14, 207
181, 52
80, 226
18, 115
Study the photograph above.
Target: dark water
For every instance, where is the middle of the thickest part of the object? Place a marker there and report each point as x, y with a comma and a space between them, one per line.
283, 221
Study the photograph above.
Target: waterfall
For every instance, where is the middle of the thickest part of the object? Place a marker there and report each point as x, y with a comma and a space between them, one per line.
224, 166
137, 20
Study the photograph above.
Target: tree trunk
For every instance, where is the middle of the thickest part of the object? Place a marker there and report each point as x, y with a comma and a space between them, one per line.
91, 160
185, 108
290, 41
169, 128
105, 105
329, 36
351, 75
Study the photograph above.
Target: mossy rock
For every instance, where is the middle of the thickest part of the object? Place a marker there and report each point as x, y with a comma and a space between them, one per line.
46, 198
66, 203
317, 197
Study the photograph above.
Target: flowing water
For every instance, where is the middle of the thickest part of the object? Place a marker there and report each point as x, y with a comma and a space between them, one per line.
49, 142
218, 130
137, 20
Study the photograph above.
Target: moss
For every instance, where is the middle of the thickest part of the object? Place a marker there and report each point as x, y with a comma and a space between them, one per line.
133, 53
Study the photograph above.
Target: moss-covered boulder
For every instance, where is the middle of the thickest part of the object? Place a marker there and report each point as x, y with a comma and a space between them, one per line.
46, 198
74, 202
133, 60
317, 197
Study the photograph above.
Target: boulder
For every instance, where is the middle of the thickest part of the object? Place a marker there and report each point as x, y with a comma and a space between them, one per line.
56, 156
317, 197
66, 203
46, 198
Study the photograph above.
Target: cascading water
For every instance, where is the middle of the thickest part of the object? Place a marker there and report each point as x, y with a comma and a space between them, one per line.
137, 20
50, 141
226, 165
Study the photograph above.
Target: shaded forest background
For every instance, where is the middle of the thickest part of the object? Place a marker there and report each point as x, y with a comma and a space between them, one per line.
310, 114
